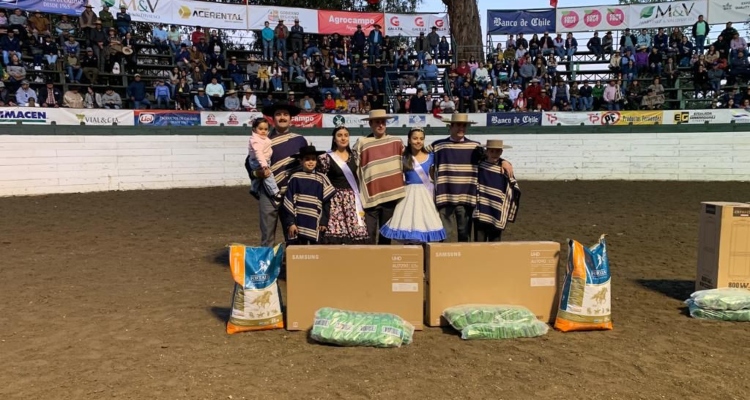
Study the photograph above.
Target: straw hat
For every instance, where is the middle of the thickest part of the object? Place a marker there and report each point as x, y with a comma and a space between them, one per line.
231, 92
127, 50
378, 114
496, 144
459, 118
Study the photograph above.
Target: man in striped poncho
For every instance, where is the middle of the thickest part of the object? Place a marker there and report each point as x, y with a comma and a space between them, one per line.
456, 161
380, 170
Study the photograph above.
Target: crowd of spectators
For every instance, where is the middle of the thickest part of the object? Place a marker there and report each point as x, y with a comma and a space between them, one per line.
357, 73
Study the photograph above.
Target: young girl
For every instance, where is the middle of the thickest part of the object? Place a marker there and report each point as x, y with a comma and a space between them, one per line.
259, 152
307, 202
415, 218
497, 196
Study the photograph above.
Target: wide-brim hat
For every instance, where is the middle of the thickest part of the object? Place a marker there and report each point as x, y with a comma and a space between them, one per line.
127, 51
496, 144
291, 108
459, 118
308, 151
231, 92
378, 115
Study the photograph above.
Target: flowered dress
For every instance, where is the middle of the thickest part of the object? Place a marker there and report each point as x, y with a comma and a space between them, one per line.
343, 225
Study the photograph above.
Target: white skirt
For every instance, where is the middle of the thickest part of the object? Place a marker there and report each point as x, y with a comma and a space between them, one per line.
415, 218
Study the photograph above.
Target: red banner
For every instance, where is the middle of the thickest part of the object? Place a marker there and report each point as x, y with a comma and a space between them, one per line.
304, 121
345, 23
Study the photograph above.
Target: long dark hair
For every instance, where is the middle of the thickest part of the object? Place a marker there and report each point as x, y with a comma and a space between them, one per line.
407, 156
333, 139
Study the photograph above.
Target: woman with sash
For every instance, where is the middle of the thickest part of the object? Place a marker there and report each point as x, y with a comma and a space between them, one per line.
415, 218
346, 224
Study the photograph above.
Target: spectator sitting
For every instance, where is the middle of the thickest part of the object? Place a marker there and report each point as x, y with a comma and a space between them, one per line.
73, 99
232, 102
215, 91
111, 100
137, 93
162, 94
307, 104
249, 101
50, 96
65, 26
24, 94
92, 99
201, 101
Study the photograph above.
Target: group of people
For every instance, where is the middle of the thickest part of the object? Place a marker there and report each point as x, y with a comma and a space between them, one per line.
378, 189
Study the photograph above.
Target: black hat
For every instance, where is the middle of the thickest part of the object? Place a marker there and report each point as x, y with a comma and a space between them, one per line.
292, 109
308, 151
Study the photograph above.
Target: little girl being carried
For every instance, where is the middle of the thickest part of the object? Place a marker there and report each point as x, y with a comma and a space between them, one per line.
260, 151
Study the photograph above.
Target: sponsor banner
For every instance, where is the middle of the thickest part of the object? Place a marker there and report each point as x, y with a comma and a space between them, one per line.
740, 115
228, 118
158, 11
304, 120
414, 24
400, 120
632, 117
25, 115
567, 118
214, 15
352, 120
68, 7
594, 18
514, 119
345, 23
505, 22
167, 117
478, 119
659, 15
87, 116
722, 11
258, 15
719, 116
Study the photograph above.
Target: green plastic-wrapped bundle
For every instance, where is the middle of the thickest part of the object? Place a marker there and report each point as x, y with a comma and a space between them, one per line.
722, 299
719, 315
505, 330
468, 314
352, 328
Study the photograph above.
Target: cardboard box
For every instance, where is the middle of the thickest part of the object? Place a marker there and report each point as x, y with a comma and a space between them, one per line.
360, 278
723, 246
517, 273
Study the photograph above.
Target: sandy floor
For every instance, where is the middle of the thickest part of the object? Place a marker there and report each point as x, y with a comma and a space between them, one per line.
126, 295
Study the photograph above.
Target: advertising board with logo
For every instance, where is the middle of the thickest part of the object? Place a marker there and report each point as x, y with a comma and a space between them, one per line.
304, 120
86, 116
507, 22
729, 10
659, 15
414, 24
602, 18
142, 10
697, 116
214, 15
632, 118
514, 119
554, 118
478, 119
740, 116
228, 118
167, 118
67, 7
345, 23
258, 15
351, 120
13, 115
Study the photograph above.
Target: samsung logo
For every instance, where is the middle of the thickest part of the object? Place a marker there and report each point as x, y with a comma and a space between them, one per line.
448, 254
305, 257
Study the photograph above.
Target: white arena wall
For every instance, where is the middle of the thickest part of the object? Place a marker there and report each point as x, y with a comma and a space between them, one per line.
31, 165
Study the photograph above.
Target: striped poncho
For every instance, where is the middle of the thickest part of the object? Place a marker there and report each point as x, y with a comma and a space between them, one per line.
497, 196
284, 146
380, 169
456, 172
307, 203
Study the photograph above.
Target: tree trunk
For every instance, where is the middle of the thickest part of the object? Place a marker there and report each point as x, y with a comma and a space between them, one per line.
465, 28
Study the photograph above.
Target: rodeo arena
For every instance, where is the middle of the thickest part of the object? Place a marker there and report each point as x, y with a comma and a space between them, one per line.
204, 200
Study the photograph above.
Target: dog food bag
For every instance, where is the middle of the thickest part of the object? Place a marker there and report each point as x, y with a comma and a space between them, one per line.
585, 301
352, 328
732, 299
256, 302
505, 330
468, 314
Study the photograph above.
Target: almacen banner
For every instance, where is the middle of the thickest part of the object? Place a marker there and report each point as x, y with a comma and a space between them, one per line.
632, 118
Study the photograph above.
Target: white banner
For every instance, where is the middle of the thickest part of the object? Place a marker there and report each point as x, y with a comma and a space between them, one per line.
594, 18
400, 120
713, 116
721, 11
571, 118
258, 15
228, 118
414, 24
66, 116
659, 15
212, 15
157, 11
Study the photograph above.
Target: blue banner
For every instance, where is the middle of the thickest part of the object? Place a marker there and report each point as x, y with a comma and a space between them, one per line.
514, 119
68, 7
511, 22
165, 118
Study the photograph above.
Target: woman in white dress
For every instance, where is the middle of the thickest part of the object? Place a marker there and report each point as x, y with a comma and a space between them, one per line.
415, 218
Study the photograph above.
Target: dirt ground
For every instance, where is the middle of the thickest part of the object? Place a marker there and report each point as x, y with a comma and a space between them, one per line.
125, 294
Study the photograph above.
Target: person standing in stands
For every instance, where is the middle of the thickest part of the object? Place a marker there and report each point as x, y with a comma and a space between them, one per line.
456, 165
296, 36
380, 170
374, 40
284, 144
497, 196
281, 32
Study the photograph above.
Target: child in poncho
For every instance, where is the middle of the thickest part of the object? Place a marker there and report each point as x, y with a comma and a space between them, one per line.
497, 196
